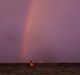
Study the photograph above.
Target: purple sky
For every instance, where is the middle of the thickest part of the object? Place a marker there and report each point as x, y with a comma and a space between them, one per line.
53, 29
55, 22
12, 14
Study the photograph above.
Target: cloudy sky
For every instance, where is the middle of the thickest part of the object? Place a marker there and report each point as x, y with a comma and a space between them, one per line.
12, 15
39, 30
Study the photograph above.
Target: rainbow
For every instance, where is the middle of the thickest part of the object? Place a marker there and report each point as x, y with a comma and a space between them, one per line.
36, 12
25, 30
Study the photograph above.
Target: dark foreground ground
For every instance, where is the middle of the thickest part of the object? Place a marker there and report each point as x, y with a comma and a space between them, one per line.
40, 69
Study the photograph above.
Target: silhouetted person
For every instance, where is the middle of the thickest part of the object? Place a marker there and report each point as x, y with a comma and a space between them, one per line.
31, 64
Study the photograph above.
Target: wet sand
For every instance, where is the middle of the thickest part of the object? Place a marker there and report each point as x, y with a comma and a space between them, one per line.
40, 69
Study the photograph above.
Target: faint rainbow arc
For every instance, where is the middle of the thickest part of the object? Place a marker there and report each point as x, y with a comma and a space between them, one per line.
25, 33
